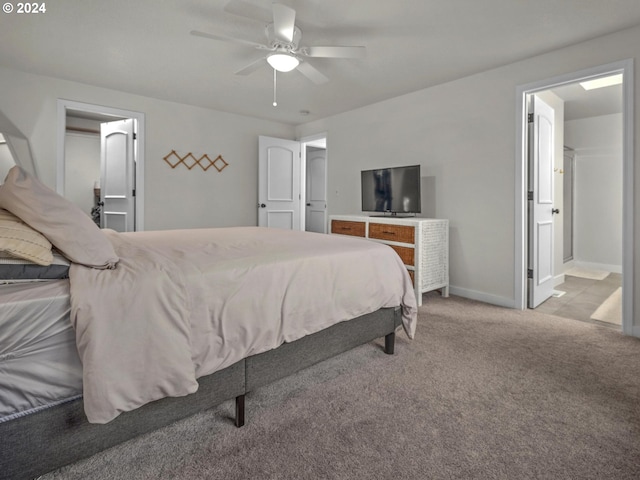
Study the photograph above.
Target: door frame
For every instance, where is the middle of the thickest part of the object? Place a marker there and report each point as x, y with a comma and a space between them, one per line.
138, 146
626, 68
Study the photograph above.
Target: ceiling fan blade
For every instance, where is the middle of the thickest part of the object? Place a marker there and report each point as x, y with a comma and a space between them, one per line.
225, 38
252, 67
334, 52
284, 22
248, 10
312, 73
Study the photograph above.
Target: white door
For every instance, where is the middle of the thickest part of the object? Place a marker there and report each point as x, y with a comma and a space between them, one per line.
316, 208
541, 140
117, 175
279, 183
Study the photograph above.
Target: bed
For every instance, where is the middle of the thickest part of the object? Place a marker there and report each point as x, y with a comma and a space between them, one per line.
167, 324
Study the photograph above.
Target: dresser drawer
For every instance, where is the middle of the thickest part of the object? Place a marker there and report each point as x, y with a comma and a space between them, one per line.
396, 233
344, 227
428, 266
406, 254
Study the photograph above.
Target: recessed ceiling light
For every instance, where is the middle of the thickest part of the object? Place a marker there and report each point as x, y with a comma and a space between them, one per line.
602, 82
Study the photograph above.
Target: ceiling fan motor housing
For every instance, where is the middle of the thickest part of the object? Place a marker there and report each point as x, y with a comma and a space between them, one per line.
276, 43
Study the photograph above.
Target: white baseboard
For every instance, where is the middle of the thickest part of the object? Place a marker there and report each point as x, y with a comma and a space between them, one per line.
558, 279
598, 266
482, 297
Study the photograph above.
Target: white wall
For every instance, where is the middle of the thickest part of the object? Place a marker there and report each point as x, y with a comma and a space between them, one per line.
174, 198
463, 133
598, 193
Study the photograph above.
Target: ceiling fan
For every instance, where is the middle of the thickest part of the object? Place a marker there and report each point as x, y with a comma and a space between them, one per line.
283, 50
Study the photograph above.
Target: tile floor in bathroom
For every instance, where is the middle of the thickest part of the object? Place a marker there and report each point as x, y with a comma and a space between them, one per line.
582, 298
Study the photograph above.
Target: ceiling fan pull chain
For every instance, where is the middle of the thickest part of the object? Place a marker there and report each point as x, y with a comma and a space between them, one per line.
275, 103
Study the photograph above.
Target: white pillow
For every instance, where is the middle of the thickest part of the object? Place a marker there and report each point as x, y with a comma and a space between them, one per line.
67, 227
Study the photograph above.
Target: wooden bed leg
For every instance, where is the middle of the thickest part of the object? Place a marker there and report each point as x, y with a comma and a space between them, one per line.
239, 411
389, 343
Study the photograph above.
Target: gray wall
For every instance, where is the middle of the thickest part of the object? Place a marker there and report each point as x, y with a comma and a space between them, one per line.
174, 198
463, 133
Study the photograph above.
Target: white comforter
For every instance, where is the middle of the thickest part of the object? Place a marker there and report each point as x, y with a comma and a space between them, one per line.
186, 303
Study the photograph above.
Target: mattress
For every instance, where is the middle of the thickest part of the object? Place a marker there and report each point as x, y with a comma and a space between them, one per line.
39, 363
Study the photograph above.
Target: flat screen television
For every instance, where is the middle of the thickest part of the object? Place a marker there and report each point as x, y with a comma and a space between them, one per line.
393, 190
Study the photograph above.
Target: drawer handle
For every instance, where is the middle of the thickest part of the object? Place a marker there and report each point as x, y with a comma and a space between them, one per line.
388, 233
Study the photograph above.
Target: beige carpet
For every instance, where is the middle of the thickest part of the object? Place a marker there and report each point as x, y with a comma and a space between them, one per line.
587, 273
611, 310
482, 393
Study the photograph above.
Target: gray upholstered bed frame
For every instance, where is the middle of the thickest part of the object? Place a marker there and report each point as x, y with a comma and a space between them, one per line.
40, 442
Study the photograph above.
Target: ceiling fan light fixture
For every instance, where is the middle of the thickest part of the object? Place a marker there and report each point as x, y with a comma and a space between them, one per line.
283, 62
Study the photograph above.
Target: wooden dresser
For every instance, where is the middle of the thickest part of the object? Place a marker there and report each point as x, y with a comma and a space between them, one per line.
421, 243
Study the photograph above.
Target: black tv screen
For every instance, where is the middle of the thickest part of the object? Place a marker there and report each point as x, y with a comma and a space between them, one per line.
391, 190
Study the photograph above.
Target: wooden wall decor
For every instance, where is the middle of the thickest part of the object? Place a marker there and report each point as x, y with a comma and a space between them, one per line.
190, 161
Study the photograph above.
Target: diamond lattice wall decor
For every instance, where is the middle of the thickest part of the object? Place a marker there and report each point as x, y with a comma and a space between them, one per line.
190, 161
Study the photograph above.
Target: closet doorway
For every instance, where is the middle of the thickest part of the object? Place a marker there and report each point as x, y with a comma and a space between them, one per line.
87, 135
292, 183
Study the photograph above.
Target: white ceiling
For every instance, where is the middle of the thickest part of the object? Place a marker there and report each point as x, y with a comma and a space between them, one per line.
581, 103
144, 47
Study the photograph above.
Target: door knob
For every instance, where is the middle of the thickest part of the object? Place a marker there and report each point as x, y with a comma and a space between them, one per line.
261, 205
308, 204
555, 210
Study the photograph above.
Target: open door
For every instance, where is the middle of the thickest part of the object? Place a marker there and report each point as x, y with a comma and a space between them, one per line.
117, 175
540, 202
279, 183
316, 206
